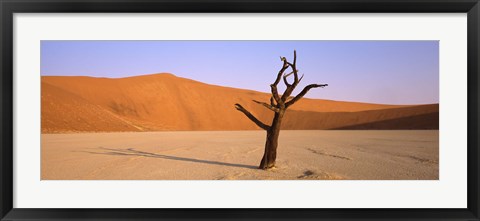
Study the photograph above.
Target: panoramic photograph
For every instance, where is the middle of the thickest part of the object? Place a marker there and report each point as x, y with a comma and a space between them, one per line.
239, 110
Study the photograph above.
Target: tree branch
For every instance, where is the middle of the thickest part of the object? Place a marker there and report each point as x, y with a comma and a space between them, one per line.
285, 79
267, 106
275, 94
284, 67
300, 78
294, 68
251, 117
287, 93
294, 57
303, 92
286, 75
277, 80
272, 101
291, 87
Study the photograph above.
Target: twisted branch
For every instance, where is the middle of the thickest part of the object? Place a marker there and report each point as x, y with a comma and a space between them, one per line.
277, 80
251, 117
270, 107
303, 92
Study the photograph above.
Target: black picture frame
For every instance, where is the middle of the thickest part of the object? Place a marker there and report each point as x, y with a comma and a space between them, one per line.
9, 7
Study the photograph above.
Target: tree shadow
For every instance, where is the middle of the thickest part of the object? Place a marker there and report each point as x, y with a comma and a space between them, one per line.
133, 152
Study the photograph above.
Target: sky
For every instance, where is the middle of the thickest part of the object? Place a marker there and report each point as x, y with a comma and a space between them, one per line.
386, 72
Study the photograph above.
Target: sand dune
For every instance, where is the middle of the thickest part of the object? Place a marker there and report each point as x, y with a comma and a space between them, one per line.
414, 117
161, 102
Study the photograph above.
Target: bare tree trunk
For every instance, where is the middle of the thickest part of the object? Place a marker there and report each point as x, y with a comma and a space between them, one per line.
279, 105
270, 154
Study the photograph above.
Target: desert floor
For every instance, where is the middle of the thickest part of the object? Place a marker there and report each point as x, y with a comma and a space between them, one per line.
235, 155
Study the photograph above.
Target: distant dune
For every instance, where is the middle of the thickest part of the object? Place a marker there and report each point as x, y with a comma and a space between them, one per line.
163, 102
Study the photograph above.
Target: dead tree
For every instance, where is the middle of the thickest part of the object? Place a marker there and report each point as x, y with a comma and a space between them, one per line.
278, 104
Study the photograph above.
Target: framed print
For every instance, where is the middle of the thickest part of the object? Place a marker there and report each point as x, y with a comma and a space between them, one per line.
239, 110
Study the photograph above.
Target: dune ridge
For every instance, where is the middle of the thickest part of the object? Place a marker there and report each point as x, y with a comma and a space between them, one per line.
165, 102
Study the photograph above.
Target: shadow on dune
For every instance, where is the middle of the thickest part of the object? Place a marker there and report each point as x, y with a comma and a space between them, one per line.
422, 117
428, 121
133, 152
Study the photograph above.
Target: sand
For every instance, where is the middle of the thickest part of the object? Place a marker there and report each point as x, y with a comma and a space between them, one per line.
165, 102
234, 155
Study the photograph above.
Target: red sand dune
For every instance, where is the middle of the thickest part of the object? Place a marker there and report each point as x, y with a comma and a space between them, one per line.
162, 102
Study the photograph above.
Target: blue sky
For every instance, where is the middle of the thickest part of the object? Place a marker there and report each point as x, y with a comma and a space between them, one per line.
388, 72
